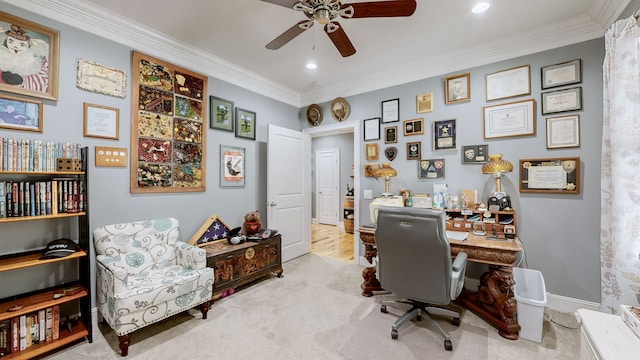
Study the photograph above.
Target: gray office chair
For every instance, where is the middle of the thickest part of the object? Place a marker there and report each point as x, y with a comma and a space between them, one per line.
414, 262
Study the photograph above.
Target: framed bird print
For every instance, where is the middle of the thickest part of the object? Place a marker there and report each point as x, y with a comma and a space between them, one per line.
232, 167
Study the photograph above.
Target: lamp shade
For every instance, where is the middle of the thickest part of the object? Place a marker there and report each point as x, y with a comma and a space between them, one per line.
496, 165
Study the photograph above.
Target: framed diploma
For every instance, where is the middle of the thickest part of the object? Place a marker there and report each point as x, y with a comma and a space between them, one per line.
101, 121
372, 129
563, 132
566, 73
562, 100
551, 175
390, 111
510, 119
444, 135
509, 83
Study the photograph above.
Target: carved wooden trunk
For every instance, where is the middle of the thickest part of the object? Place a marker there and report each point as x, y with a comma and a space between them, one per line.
237, 265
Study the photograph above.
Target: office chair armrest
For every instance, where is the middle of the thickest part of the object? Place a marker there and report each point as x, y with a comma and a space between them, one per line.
459, 262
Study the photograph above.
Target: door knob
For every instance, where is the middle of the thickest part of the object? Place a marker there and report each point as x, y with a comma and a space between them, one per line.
272, 204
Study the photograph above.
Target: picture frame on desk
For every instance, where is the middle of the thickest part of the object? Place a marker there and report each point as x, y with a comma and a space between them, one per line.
20, 113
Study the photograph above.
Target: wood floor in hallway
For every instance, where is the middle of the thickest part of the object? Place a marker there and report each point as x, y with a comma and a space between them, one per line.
332, 241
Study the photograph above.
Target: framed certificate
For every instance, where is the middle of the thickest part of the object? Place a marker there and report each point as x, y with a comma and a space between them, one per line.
372, 129
390, 111
563, 132
101, 121
510, 119
566, 73
562, 100
551, 175
509, 83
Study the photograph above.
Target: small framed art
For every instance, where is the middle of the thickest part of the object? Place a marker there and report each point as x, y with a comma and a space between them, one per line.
563, 132
444, 135
371, 152
232, 166
101, 79
431, 169
20, 113
101, 121
414, 127
391, 135
245, 124
220, 114
372, 129
457, 88
390, 111
414, 150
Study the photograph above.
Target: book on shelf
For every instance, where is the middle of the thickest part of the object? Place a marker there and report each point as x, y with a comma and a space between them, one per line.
49, 324
42, 325
23, 332
5, 337
15, 334
55, 325
34, 155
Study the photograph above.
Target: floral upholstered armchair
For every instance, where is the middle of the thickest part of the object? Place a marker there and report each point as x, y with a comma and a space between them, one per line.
145, 274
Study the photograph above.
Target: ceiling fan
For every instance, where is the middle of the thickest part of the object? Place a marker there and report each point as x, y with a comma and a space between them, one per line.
325, 13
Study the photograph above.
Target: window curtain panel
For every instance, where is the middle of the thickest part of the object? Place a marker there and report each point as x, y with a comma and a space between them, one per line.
620, 183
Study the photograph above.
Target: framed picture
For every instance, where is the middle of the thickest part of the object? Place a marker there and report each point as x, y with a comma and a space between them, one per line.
20, 114
509, 83
551, 175
563, 132
31, 66
372, 129
457, 88
101, 121
475, 154
391, 135
562, 100
414, 150
371, 152
566, 73
390, 111
414, 127
168, 137
220, 114
431, 169
511, 119
444, 135
245, 124
424, 103
101, 79
232, 166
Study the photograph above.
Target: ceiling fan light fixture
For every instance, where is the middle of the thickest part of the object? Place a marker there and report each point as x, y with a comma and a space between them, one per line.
322, 16
480, 7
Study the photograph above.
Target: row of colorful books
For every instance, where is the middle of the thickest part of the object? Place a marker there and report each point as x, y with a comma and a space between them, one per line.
21, 332
34, 155
34, 198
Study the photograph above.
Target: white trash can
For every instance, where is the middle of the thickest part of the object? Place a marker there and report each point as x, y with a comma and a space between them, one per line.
531, 297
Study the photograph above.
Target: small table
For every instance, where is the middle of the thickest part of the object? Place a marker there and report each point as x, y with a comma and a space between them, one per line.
494, 301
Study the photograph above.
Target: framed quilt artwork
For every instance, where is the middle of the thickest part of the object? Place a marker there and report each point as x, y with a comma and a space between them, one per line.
167, 128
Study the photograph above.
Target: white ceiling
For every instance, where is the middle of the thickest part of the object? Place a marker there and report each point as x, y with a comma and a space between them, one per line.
227, 38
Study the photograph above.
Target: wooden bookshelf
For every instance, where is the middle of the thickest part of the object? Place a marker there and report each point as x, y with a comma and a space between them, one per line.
42, 217
39, 301
33, 259
78, 332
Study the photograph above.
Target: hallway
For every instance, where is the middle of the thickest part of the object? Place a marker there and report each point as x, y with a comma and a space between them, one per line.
332, 241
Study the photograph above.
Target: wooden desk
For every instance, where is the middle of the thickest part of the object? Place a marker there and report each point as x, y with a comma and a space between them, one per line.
494, 300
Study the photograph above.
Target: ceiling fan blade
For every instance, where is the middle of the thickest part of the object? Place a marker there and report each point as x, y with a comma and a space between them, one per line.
378, 9
339, 39
289, 35
285, 3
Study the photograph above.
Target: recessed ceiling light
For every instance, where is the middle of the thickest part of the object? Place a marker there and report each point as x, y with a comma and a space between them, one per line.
480, 7
311, 66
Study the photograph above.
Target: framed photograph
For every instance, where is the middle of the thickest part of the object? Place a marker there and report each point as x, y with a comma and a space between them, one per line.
414, 127
372, 129
232, 166
220, 114
101, 79
424, 103
551, 175
475, 154
562, 100
30, 64
371, 152
444, 135
390, 111
245, 124
566, 73
511, 119
509, 83
101, 121
563, 132
431, 169
414, 150
457, 88
391, 135
20, 114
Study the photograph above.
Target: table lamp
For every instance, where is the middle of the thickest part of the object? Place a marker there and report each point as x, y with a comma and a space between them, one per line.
497, 167
387, 171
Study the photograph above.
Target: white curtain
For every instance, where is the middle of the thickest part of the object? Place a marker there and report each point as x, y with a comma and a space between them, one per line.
620, 186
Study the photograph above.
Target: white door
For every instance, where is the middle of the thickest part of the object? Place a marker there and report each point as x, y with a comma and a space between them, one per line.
289, 189
327, 183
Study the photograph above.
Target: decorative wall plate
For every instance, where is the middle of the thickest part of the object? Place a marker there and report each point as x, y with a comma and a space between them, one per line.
314, 115
340, 109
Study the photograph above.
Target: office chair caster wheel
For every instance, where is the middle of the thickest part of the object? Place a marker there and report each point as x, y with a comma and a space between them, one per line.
455, 321
448, 345
383, 309
394, 334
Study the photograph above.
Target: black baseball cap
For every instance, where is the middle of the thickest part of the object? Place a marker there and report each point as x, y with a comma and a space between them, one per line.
59, 248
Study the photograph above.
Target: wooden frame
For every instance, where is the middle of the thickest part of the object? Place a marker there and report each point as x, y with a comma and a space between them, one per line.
475, 154
562, 100
371, 129
168, 137
550, 175
563, 132
444, 135
101, 121
413, 127
245, 124
516, 118
566, 73
221, 113
431, 169
101, 79
424, 103
390, 111
15, 72
391, 135
508, 83
20, 114
414, 150
214, 228
457, 88
232, 166
371, 151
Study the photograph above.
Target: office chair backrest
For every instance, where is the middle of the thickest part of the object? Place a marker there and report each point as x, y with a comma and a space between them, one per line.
414, 259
